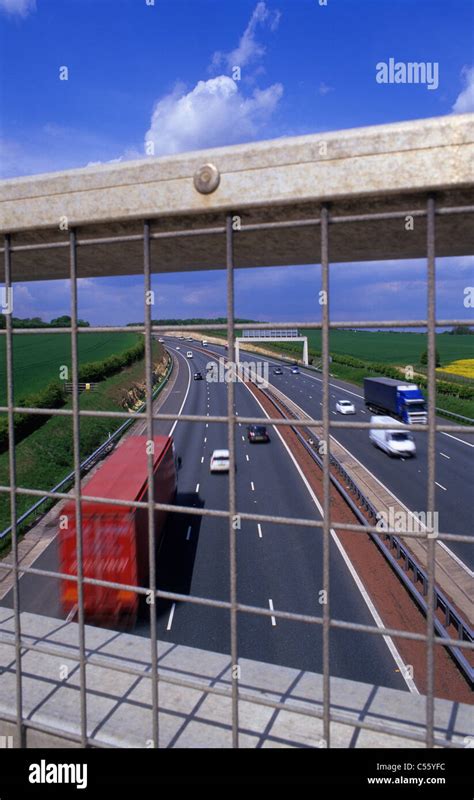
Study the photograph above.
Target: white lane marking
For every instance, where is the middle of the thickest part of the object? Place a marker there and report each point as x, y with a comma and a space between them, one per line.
378, 620
207, 424
202, 459
170, 619
246, 456
253, 487
440, 486
185, 396
333, 412
362, 411
444, 455
259, 527
388, 640
197, 488
469, 444
205, 439
243, 438
270, 603
188, 535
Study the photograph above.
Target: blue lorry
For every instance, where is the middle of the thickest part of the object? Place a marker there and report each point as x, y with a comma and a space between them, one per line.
404, 401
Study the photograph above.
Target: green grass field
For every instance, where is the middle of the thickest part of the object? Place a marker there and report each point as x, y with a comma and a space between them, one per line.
390, 347
37, 358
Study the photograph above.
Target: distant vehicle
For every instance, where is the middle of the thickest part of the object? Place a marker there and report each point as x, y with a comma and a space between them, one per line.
257, 433
178, 347
295, 370
345, 407
403, 401
198, 376
181, 337
115, 537
190, 339
394, 442
219, 461
278, 371
204, 343
189, 354
161, 341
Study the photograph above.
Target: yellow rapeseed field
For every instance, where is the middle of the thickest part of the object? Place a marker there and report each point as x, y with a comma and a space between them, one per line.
464, 366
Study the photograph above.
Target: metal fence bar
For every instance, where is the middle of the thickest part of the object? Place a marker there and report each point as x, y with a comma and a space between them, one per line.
232, 488
431, 476
362, 323
19, 731
151, 481
208, 512
258, 226
77, 484
66, 412
326, 481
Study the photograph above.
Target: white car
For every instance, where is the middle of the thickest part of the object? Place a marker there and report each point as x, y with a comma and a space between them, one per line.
394, 442
161, 341
178, 347
345, 407
189, 354
219, 461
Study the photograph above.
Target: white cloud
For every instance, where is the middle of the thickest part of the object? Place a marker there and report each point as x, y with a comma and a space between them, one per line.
465, 99
324, 88
249, 49
214, 113
20, 7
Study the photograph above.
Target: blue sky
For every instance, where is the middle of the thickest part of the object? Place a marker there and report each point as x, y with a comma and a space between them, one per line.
161, 73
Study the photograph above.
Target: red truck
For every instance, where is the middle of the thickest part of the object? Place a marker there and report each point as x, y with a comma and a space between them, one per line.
115, 537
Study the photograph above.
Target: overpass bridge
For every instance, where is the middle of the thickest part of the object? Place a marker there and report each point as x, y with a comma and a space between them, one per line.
403, 190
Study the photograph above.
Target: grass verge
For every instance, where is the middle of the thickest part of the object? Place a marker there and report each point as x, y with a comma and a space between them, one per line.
45, 457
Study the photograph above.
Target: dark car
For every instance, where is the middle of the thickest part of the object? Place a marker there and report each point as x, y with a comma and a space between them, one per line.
198, 376
257, 433
278, 371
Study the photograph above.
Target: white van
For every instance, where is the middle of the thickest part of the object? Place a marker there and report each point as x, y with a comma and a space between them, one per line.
394, 442
204, 342
189, 354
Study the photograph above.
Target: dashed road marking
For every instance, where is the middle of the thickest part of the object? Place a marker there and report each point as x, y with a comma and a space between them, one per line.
170, 619
441, 487
444, 455
270, 603
253, 487
197, 488
259, 527
188, 535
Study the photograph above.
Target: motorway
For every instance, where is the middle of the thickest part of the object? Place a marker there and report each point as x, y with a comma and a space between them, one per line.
278, 567
405, 478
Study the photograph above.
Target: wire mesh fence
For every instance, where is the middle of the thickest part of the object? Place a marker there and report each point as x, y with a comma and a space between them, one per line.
322, 528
